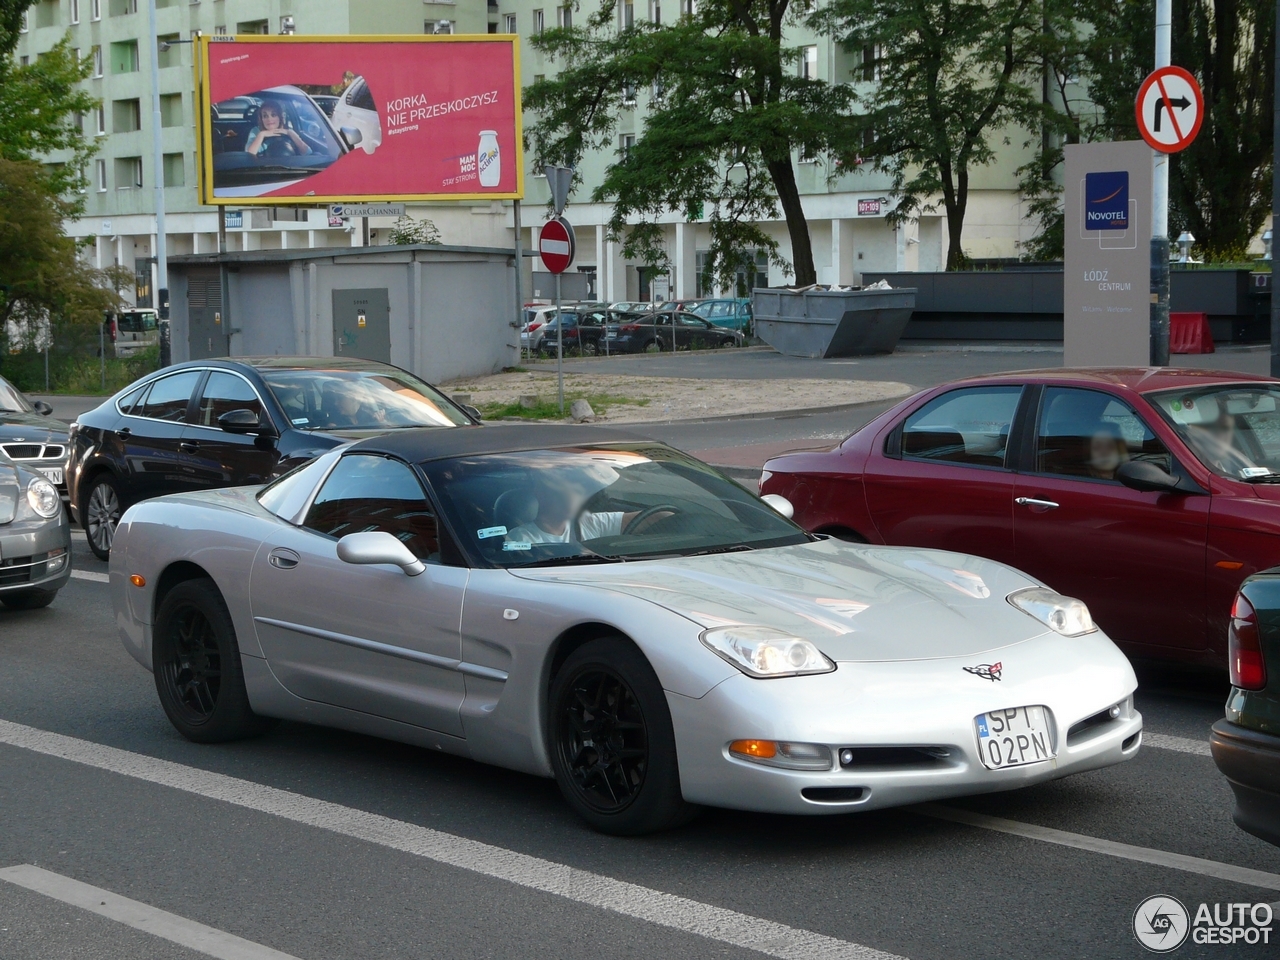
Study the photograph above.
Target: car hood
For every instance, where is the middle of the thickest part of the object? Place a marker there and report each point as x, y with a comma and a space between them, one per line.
31, 426
10, 489
857, 603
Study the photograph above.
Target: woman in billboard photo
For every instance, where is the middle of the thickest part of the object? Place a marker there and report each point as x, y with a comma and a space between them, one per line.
271, 136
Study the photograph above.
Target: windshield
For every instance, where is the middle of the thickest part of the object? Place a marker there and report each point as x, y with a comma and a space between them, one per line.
1233, 430
359, 400
599, 503
11, 401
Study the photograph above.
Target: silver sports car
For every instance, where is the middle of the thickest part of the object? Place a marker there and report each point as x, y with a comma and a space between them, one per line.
576, 603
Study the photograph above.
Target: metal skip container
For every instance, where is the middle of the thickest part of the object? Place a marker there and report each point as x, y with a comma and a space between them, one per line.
831, 323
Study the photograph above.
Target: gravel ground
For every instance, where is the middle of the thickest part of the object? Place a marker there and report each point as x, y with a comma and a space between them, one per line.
619, 398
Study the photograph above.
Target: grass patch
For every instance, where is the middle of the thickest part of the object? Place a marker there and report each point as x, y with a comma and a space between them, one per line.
77, 374
548, 407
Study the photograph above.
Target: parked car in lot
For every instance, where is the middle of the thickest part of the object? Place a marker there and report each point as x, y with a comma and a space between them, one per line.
1148, 493
575, 603
1246, 744
133, 331
220, 423
35, 538
584, 331
653, 333
30, 437
734, 313
535, 328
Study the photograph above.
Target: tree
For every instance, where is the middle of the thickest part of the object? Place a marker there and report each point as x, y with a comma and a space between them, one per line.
726, 109
408, 231
41, 272
951, 79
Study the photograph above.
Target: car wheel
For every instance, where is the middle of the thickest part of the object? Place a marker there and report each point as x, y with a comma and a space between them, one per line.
196, 662
653, 346
590, 348
613, 747
28, 599
101, 515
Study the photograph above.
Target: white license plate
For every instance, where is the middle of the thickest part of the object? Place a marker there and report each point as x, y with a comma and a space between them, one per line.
1014, 737
52, 474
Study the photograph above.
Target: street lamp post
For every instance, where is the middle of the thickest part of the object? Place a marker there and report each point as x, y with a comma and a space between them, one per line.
160, 298
1160, 209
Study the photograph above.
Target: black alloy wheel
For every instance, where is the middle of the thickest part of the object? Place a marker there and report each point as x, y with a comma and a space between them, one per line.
613, 747
196, 662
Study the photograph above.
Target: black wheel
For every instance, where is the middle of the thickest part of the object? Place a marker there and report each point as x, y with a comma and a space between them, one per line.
590, 348
196, 662
653, 346
613, 747
101, 512
28, 599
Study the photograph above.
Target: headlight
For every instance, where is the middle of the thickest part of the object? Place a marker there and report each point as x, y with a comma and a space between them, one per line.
1065, 615
44, 499
765, 652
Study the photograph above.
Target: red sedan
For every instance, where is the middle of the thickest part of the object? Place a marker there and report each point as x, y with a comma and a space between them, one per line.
1148, 493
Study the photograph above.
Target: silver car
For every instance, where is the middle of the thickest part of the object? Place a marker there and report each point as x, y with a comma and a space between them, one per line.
574, 603
35, 538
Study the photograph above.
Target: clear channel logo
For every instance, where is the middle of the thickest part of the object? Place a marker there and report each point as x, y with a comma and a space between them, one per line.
1161, 923
1106, 200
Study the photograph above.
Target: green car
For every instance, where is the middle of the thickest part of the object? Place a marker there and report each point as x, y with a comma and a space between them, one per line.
1246, 744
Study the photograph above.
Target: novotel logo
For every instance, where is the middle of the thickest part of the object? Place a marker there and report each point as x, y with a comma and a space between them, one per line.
1106, 200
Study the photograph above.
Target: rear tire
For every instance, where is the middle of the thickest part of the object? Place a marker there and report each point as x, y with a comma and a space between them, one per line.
613, 747
653, 346
28, 599
101, 512
196, 662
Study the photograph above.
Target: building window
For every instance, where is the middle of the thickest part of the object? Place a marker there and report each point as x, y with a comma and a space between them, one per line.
100, 175
657, 88
171, 110
122, 8
174, 170
124, 57
628, 16
168, 50
564, 17
77, 121
126, 116
97, 61
626, 143
262, 27
809, 63
629, 94
83, 185
24, 60
689, 7
100, 118
509, 23
25, 23
220, 30
655, 12
871, 62
493, 28
95, 13
538, 22
128, 173
75, 11
441, 27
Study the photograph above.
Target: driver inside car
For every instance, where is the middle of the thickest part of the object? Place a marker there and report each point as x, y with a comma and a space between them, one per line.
559, 512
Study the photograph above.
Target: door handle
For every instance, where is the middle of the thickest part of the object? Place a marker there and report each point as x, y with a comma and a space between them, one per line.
283, 559
1036, 502
188, 446
123, 433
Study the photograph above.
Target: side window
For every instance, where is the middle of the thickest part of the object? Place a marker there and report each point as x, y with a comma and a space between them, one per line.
224, 392
125, 403
169, 397
969, 426
1089, 434
370, 493
722, 310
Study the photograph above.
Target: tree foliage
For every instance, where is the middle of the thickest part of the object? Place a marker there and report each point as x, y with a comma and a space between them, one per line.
408, 231
952, 82
726, 109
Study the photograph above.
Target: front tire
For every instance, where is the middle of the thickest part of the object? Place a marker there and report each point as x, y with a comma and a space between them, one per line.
28, 599
613, 747
196, 662
101, 514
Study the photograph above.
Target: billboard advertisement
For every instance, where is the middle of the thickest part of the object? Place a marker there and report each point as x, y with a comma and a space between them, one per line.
345, 119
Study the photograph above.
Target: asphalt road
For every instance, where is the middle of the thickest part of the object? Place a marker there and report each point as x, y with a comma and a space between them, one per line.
292, 854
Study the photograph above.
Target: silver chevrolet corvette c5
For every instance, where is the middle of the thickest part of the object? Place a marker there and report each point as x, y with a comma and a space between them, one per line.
577, 603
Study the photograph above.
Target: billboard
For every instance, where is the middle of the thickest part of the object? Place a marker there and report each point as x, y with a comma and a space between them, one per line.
344, 119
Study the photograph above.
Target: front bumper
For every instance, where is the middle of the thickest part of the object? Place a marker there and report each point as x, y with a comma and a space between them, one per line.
25, 563
894, 705
1250, 760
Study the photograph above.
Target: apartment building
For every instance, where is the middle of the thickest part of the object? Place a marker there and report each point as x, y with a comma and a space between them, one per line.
846, 218
121, 180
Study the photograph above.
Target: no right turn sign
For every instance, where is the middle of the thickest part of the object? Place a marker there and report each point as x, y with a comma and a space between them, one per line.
1170, 109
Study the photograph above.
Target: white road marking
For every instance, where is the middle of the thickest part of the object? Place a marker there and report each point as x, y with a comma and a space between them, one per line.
140, 916
1182, 744
91, 575
581, 886
1110, 848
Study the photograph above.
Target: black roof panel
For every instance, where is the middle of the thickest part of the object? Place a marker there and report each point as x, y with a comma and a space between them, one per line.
439, 443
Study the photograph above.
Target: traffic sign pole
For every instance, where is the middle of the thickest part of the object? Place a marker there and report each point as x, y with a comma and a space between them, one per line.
1160, 207
1275, 218
556, 246
560, 348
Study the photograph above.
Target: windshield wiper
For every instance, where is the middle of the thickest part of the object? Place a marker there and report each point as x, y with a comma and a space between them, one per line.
1264, 478
731, 548
576, 558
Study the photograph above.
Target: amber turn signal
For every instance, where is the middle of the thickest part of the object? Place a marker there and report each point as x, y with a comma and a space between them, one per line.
138, 580
756, 749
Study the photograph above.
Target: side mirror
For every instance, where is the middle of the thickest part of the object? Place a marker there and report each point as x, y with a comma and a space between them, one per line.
472, 411
780, 503
1147, 477
352, 135
42, 408
240, 421
379, 547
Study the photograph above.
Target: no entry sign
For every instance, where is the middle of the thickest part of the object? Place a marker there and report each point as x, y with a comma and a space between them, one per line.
1170, 109
556, 245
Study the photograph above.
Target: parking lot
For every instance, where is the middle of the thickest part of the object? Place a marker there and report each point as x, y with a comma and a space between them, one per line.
318, 843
